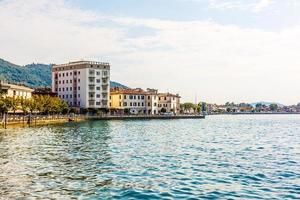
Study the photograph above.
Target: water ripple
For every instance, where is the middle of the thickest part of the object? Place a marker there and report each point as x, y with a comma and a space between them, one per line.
221, 157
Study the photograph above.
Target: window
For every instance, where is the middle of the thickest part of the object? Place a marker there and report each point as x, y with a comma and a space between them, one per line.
70, 73
98, 73
59, 74
139, 97
59, 89
63, 74
98, 88
125, 103
139, 104
70, 88
79, 80
59, 82
98, 80
130, 103
67, 88
98, 95
120, 96
142, 97
165, 98
55, 89
155, 104
79, 74
71, 81
158, 98
125, 97
130, 97
67, 74
120, 104
134, 104
63, 82
55, 82
59, 96
70, 96
148, 97
134, 96
63, 96
78, 95
173, 98
67, 96
98, 103
63, 89
142, 104
149, 104
78, 87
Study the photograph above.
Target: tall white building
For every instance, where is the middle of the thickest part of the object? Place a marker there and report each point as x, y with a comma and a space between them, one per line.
83, 84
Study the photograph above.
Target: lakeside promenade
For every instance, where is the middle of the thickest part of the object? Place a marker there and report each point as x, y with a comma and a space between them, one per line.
52, 119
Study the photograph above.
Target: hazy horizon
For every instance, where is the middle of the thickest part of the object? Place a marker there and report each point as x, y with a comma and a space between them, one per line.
219, 51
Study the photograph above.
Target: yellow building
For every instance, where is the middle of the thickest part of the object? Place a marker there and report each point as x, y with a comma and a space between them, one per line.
129, 101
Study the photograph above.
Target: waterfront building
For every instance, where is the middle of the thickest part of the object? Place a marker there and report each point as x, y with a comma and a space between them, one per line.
128, 101
152, 101
83, 84
138, 101
13, 90
169, 102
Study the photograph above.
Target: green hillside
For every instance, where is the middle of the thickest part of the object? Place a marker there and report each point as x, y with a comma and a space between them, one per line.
33, 75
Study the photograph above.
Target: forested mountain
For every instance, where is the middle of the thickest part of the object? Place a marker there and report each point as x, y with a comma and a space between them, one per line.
32, 75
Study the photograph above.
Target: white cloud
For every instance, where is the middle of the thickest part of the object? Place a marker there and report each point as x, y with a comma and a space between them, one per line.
218, 62
253, 5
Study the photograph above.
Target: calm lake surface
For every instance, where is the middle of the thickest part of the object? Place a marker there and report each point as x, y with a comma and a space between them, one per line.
221, 157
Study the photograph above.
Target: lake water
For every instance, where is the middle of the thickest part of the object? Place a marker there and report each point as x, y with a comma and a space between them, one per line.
221, 157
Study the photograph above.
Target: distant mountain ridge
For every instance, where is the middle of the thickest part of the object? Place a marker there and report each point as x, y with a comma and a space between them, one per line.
33, 75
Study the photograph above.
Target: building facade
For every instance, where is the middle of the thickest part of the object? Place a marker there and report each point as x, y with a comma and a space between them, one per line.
12, 90
138, 101
152, 102
169, 102
83, 84
128, 101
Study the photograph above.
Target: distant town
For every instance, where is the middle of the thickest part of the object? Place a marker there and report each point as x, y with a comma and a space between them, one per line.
84, 87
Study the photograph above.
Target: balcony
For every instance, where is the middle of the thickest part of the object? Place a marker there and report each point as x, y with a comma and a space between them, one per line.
92, 99
105, 83
104, 87
91, 88
104, 102
92, 75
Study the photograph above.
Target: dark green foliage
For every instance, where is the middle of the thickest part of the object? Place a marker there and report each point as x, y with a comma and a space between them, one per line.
33, 75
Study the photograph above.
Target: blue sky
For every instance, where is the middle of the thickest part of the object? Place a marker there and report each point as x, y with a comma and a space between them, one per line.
278, 15
221, 50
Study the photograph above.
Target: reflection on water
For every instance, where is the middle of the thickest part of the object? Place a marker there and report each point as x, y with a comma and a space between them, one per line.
219, 157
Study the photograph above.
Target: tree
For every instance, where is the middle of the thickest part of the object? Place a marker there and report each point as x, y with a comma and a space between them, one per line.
188, 106
32, 105
13, 103
273, 107
24, 104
